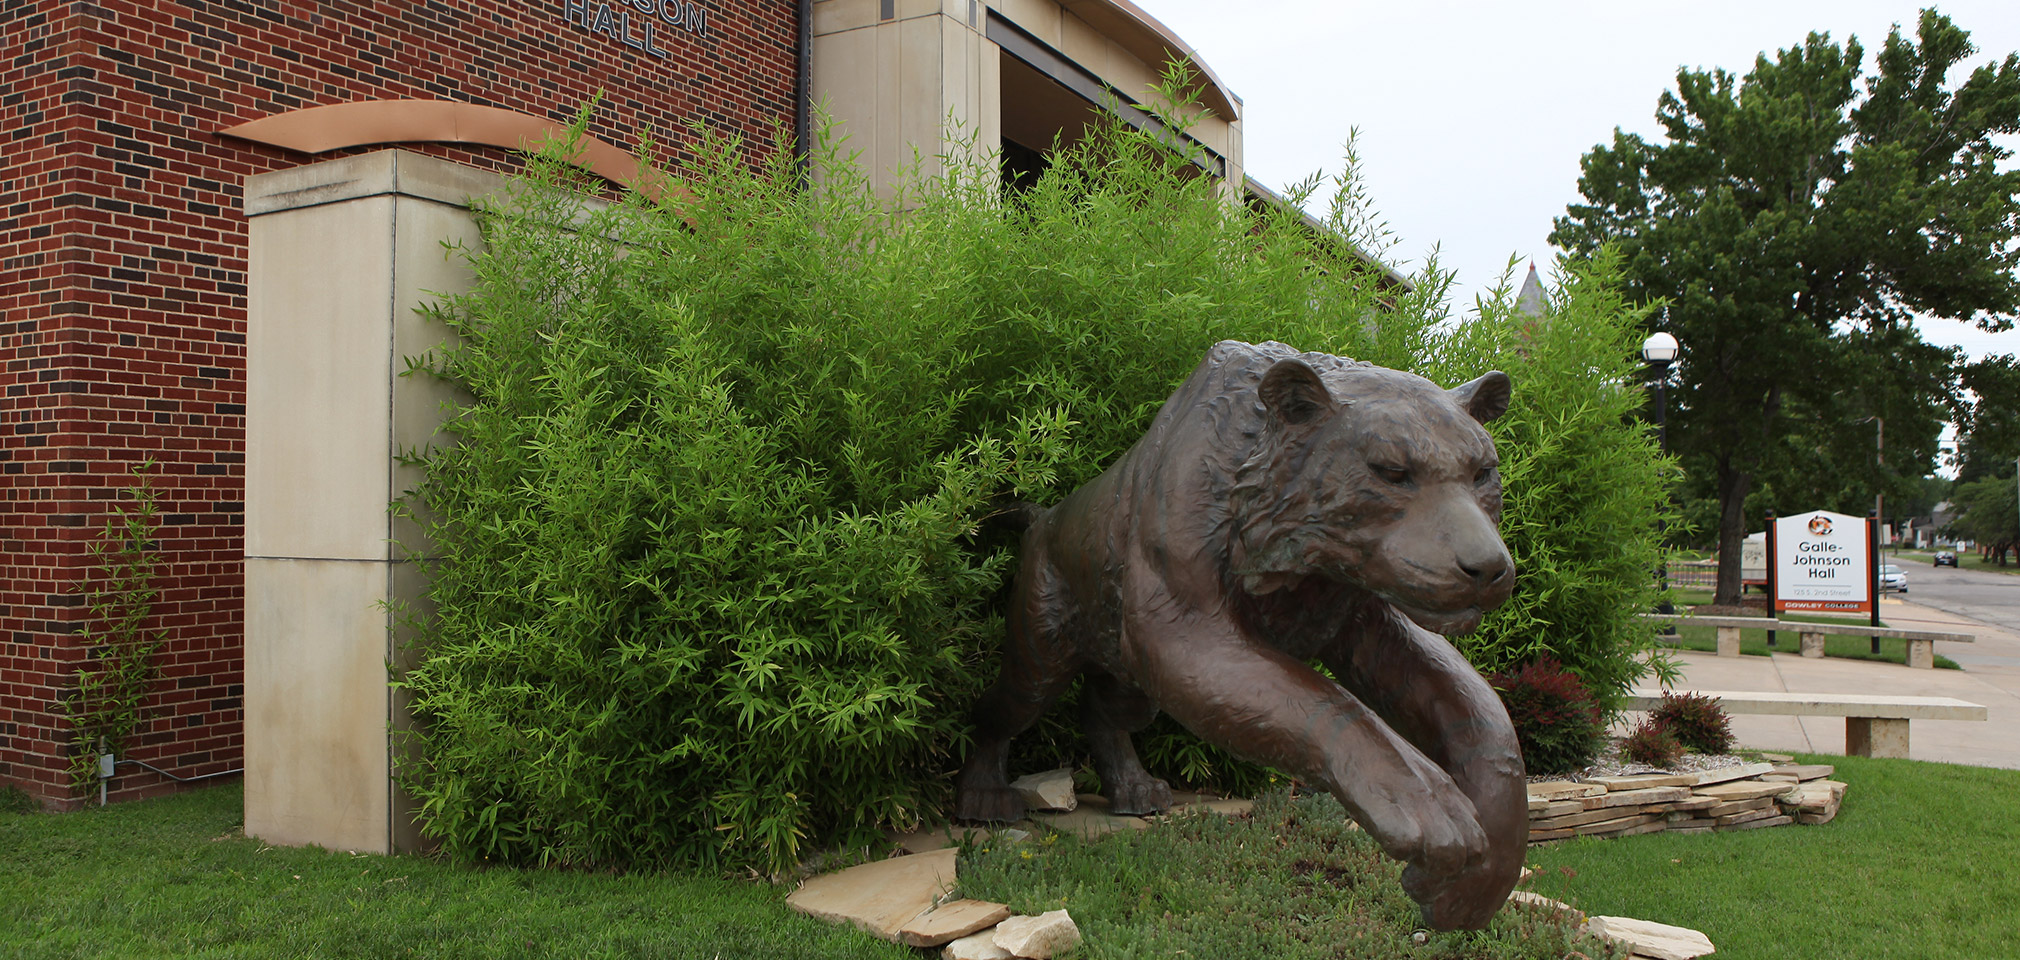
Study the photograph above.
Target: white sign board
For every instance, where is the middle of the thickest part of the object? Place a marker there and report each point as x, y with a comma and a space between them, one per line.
1822, 561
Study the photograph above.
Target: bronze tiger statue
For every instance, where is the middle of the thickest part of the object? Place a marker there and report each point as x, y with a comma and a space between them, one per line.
1286, 507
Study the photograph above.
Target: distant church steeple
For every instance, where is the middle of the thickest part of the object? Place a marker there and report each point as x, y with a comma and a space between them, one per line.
1529, 302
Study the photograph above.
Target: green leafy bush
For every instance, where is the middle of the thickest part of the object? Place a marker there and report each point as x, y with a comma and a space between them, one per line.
1697, 721
1556, 720
713, 576
1584, 484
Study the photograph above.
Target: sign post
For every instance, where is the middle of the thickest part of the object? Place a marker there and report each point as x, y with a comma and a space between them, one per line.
1874, 537
1770, 547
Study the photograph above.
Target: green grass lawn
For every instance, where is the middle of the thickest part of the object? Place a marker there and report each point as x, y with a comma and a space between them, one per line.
1918, 864
174, 877
1753, 643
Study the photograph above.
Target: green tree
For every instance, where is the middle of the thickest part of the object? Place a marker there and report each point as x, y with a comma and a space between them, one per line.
1793, 224
1988, 511
1988, 417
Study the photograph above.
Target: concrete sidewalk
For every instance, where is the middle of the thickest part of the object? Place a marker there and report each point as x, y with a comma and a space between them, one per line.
1991, 676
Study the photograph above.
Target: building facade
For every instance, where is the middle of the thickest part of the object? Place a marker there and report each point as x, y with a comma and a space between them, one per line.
132, 126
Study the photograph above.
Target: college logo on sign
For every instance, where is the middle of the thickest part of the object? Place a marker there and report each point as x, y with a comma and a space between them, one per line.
1820, 526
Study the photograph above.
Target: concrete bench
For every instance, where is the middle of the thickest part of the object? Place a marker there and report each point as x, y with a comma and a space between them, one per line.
1921, 643
1875, 726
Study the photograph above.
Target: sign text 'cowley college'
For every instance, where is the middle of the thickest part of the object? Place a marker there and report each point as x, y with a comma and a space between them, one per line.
636, 23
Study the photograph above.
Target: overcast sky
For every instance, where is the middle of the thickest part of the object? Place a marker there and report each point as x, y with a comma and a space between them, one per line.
1473, 115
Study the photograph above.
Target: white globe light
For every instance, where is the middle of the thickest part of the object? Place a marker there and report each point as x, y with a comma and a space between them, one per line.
1660, 347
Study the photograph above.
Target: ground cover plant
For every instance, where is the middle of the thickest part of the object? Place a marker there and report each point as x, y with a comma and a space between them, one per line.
1295, 880
174, 877
716, 574
1916, 864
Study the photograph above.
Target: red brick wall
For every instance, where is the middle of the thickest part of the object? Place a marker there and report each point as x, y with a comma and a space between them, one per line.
122, 278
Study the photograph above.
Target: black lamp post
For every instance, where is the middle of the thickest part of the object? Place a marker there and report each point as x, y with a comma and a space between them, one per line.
1660, 349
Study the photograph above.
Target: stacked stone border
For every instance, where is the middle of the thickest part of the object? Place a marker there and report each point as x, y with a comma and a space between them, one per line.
1743, 797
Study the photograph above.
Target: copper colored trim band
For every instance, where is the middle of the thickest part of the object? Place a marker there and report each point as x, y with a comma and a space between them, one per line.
366, 122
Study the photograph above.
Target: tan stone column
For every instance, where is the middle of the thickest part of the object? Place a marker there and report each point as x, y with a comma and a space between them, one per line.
341, 254
895, 84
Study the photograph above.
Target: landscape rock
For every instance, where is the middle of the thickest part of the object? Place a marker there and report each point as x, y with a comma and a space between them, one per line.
1731, 807
1807, 771
951, 921
1643, 780
1757, 824
1564, 790
980, 946
1746, 790
879, 897
1749, 816
1037, 937
1050, 790
1777, 758
1541, 809
1627, 798
1646, 938
1741, 772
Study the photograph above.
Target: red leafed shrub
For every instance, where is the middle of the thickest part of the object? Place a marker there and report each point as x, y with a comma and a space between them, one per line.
1556, 719
1652, 743
1697, 721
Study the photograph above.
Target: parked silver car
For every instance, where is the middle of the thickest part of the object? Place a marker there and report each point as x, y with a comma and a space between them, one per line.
1893, 578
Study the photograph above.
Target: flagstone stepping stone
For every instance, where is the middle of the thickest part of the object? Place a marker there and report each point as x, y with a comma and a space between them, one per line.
1090, 819
929, 839
1807, 771
1050, 790
879, 897
1226, 808
1649, 939
951, 921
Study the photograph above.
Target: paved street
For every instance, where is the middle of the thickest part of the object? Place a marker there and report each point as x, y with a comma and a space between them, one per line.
1992, 598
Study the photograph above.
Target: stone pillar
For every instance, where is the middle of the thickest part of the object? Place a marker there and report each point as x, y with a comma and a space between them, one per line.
895, 83
1728, 641
340, 255
1876, 737
1922, 654
1813, 645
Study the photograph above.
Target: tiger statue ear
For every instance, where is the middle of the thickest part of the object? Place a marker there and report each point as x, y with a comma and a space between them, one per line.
1294, 394
1484, 398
